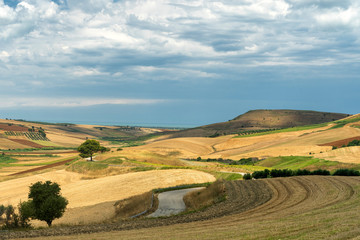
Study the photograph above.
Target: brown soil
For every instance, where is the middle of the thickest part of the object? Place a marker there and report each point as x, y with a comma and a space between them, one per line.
15, 128
43, 167
340, 143
27, 143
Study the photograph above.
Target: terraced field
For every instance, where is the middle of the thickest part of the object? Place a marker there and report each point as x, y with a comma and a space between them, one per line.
307, 207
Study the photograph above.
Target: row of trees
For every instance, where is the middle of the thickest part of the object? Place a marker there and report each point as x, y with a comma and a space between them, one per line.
299, 172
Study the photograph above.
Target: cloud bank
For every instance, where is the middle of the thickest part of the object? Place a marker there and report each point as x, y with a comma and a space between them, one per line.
147, 49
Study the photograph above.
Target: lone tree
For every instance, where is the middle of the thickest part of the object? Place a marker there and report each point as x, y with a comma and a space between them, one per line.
88, 148
47, 204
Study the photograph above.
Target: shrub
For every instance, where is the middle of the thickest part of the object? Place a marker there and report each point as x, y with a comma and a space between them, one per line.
354, 143
320, 172
261, 174
302, 172
13, 220
346, 172
247, 176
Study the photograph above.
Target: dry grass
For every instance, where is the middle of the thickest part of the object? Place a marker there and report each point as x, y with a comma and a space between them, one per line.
8, 144
87, 193
279, 144
199, 199
134, 205
310, 207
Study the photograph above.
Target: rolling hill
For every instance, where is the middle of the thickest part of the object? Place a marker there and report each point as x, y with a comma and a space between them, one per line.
262, 119
314, 140
258, 206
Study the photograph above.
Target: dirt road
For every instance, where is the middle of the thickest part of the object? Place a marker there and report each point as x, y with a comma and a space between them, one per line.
171, 203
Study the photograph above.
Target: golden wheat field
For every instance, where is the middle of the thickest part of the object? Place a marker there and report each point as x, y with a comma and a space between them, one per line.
307, 207
90, 192
313, 207
297, 143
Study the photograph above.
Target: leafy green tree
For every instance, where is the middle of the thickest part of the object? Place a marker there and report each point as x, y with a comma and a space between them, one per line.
26, 211
88, 148
47, 204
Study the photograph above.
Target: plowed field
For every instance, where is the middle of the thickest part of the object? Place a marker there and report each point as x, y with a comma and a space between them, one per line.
27, 143
15, 128
340, 143
309, 207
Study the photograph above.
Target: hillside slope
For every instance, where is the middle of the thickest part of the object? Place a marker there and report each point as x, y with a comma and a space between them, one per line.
17, 134
262, 119
316, 141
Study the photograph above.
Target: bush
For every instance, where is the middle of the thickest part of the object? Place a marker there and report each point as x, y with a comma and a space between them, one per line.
13, 220
302, 172
354, 143
281, 173
247, 176
320, 172
346, 172
261, 174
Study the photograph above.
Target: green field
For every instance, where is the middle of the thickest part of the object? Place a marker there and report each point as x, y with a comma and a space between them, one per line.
302, 162
293, 129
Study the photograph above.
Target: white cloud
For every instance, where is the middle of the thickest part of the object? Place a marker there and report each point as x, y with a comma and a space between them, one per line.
50, 44
340, 17
80, 72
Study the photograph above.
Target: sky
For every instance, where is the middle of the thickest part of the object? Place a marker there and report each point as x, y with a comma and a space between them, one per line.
180, 63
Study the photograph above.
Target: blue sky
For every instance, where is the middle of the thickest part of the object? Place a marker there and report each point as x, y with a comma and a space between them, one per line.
176, 62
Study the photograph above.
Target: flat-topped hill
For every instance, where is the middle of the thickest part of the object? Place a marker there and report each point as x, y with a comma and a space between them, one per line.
262, 119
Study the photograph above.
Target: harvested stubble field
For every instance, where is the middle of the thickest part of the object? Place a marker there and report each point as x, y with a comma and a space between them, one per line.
296, 143
307, 207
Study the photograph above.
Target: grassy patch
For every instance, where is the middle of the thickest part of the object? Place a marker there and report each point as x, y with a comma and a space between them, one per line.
4, 160
126, 141
45, 143
44, 163
73, 161
341, 123
296, 162
174, 167
293, 129
113, 160
37, 149
85, 167
195, 185
226, 176
142, 169
34, 156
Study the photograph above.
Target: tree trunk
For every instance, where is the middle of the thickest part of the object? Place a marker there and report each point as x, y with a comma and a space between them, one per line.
49, 222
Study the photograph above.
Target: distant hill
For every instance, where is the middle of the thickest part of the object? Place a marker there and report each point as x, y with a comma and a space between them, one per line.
262, 119
20, 134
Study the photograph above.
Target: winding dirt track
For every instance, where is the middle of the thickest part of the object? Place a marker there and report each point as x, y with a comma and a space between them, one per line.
308, 207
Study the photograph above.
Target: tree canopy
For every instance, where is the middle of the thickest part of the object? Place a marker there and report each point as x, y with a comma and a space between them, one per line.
47, 204
88, 148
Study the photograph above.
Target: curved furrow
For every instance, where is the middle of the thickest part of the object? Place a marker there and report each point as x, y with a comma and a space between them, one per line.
247, 202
